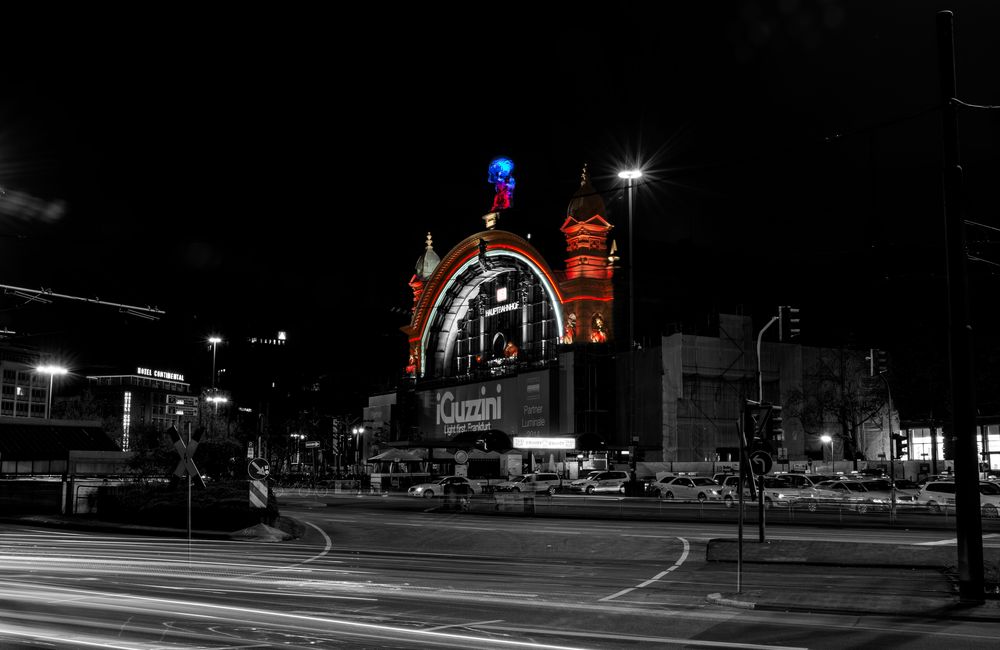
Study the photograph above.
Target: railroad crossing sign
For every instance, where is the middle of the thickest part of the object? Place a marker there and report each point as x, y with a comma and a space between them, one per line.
258, 469
186, 451
258, 494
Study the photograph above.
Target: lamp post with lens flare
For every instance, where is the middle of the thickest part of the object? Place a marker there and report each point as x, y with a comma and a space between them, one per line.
827, 439
214, 340
51, 371
631, 175
358, 437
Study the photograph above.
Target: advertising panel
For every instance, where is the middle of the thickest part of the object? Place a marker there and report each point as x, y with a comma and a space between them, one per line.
519, 405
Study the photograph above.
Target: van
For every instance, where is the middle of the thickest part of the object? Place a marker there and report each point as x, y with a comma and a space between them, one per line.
539, 482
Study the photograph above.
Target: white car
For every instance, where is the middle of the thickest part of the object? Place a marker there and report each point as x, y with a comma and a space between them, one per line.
688, 488
842, 493
608, 481
439, 487
940, 495
574, 485
540, 482
880, 491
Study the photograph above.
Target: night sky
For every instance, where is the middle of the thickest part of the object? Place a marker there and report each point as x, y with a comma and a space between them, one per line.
280, 171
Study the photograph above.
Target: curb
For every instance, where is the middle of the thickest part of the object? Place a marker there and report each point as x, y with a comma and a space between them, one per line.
106, 527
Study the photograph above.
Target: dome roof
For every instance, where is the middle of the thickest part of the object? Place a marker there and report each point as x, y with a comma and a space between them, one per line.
427, 262
586, 202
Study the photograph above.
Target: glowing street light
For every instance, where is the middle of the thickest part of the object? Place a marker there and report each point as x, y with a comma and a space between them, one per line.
297, 437
827, 439
631, 175
51, 371
214, 340
217, 399
358, 432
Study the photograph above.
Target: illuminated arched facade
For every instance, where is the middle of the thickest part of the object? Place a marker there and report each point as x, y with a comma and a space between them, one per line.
490, 304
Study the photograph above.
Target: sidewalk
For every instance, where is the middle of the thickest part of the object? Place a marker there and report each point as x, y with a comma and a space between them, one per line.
857, 579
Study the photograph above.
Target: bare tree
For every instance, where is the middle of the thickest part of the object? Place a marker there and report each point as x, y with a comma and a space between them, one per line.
838, 396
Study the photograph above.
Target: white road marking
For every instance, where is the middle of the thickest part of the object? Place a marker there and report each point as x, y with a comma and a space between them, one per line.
326, 549
474, 624
680, 561
662, 640
946, 542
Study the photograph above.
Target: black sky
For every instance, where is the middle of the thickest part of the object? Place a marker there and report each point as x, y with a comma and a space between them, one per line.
268, 171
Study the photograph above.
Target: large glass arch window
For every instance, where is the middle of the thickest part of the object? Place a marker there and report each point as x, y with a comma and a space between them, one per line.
492, 322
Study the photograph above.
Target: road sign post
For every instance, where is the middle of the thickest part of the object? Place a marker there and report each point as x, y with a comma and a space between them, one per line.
258, 469
186, 466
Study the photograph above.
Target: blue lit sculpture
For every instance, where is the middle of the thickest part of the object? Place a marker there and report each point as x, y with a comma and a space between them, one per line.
500, 170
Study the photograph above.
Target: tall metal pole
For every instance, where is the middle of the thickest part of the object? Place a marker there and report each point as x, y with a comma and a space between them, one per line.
48, 400
631, 337
214, 344
187, 472
892, 465
760, 375
968, 525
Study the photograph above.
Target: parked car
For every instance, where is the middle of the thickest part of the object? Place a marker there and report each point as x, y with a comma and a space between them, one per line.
689, 488
583, 479
607, 481
438, 487
940, 495
777, 492
935, 478
880, 491
539, 482
719, 478
841, 493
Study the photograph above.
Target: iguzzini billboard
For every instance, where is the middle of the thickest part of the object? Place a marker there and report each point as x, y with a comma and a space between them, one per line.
518, 406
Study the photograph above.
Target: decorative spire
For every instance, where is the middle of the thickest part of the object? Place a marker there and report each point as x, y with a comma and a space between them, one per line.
427, 262
583, 176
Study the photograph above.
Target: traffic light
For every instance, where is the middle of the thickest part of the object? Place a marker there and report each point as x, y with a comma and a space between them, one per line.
788, 323
775, 433
878, 361
901, 445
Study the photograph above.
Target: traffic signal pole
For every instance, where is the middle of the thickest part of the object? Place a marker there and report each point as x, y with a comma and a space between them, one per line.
760, 375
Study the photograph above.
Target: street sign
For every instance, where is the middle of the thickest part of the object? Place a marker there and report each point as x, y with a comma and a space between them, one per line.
258, 469
760, 462
461, 457
186, 451
312, 444
258, 494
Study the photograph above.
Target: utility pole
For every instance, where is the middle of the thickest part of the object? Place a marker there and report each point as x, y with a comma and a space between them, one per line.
968, 525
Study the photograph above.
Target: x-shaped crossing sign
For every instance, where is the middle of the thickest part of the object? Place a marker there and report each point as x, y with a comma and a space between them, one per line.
186, 451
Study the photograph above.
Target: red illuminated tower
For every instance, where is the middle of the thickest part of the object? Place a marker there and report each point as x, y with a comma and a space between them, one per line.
588, 296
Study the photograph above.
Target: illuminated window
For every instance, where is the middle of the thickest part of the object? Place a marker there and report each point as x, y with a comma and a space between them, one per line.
126, 419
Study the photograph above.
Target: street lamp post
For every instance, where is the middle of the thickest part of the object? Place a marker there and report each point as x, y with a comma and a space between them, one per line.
296, 437
51, 371
214, 340
358, 437
631, 175
827, 439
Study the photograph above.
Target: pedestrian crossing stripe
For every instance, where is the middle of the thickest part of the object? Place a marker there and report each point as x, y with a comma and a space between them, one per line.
258, 494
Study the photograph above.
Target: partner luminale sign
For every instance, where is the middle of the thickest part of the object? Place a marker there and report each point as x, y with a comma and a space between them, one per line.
516, 405
522, 442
